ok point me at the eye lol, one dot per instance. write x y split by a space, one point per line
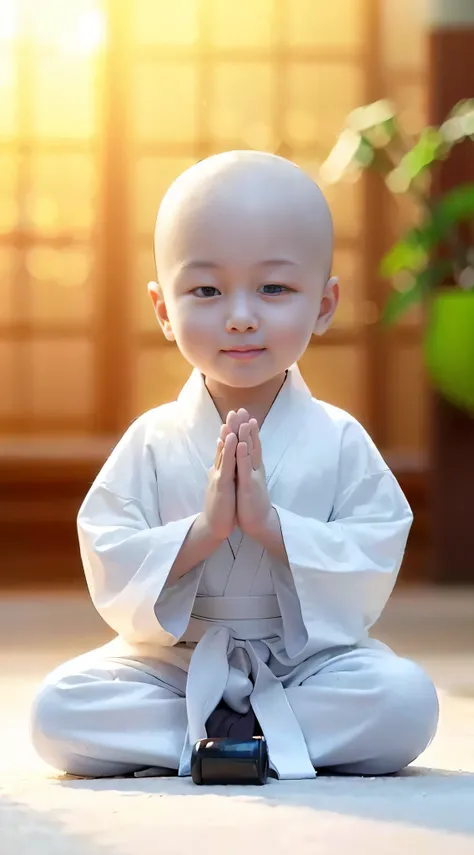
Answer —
206 291
272 289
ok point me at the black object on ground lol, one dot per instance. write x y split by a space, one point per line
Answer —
230 761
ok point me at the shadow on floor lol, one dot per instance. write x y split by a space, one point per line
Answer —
429 798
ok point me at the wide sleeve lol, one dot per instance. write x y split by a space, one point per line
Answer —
127 552
343 570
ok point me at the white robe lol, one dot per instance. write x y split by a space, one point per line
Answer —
258 625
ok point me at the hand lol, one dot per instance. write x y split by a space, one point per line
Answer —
220 498
253 502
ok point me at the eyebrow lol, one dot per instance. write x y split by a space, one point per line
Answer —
212 265
197 265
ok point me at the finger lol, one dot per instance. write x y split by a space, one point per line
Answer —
235 419
232 421
244 436
225 430
244 464
228 455
242 416
256 444
218 457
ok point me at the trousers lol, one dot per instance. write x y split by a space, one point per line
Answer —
363 712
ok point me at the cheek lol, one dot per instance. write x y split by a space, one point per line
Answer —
194 330
293 322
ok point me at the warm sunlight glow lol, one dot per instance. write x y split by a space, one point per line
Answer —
103 103
89 34
8 20
76 26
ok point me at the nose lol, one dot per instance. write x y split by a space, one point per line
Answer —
241 316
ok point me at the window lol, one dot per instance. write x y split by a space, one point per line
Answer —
104 103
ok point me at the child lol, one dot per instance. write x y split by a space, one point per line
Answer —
242 582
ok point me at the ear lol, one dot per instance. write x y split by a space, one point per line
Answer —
156 293
328 306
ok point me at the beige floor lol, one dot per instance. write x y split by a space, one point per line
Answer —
428 809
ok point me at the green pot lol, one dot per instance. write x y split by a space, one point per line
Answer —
449 345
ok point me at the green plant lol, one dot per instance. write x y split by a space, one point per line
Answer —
440 247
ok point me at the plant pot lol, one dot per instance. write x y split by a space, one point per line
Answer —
449 345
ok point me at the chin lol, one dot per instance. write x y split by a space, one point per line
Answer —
245 378
244 382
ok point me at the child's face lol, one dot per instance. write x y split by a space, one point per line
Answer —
243 267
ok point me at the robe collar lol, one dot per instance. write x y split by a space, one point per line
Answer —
203 423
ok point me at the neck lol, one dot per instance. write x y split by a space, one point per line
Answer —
257 400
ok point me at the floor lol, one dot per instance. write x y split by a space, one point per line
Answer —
430 808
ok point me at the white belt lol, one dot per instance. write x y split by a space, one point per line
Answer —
232 608
211 678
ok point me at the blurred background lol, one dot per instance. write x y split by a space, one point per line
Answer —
102 105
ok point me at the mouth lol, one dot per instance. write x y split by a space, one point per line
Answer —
244 352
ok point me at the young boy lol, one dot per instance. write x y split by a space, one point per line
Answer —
242 581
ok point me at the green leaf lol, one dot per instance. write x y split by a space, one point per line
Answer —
454 207
400 301
453 130
408 253
431 146
463 107
411 252
365 153
342 157
460 122
372 116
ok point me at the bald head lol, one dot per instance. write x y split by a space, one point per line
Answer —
243 199
243 247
